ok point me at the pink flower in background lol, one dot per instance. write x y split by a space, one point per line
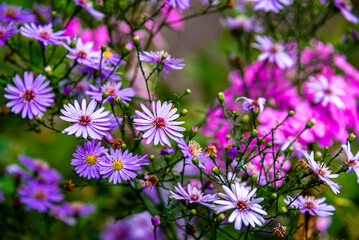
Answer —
173 17
73 28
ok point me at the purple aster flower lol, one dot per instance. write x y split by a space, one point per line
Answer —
242 22
113 89
179 4
83 54
111 58
159 124
120 166
39 196
322 171
162 58
324 92
16 14
43 34
155 221
60 213
79 209
86 121
88 160
353 162
88 6
246 211
6 31
271 5
167 150
345 7
193 149
193 195
232 153
29 96
273 52
252 104
15 170
311 205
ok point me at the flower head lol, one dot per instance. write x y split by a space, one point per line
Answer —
88 159
43 34
29 96
88 6
86 121
311 205
247 210
353 161
39 196
113 90
345 7
252 104
159 123
162 58
79 209
193 195
322 171
16 14
193 149
271 5
83 54
273 52
121 165
6 31
179 4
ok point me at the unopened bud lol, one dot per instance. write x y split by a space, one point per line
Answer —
183 112
170 198
123 146
72 44
283 210
220 218
187 91
193 212
126 106
216 171
193 131
290 149
48 69
195 161
254 178
103 48
273 196
220 97
291 113
105 94
352 137
152 158
39 118
53 14
318 155
310 123
254 133
245 119
155 221
117 100
136 41
128 48
269 145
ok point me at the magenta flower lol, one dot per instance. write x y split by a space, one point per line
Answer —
193 195
86 121
83 54
246 210
345 7
121 166
113 90
273 52
322 171
6 31
79 209
253 105
271 5
311 205
39 196
324 92
179 4
43 34
159 123
88 159
29 96
16 14
88 6
353 161
162 58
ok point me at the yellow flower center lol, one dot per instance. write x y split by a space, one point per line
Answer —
91 159
107 54
117 165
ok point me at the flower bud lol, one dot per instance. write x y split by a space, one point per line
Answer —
216 171
318 155
48 69
264 152
193 131
72 44
128 48
290 149
152 157
53 14
273 196
117 100
232 153
126 106
187 91
220 218
195 161
254 178
245 119
105 95
193 212
136 41
254 133
123 146
326 148
103 48
170 198
39 118
183 112
228 136
310 123
352 137
220 97
155 221
291 113
283 210
269 145
67 90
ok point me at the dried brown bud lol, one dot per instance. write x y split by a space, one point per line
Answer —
210 150
151 181
69 186
231 4
117 143
280 231
191 229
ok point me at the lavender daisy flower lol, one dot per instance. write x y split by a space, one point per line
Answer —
246 210
83 54
59 212
159 124
193 195
113 90
120 166
192 150
162 58
273 52
111 58
79 209
88 6
271 5
252 104
167 151
6 31
242 22
12 13
43 34
322 171
39 196
353 162
86 121
345 7
29 96
311 205
179 4
88 159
